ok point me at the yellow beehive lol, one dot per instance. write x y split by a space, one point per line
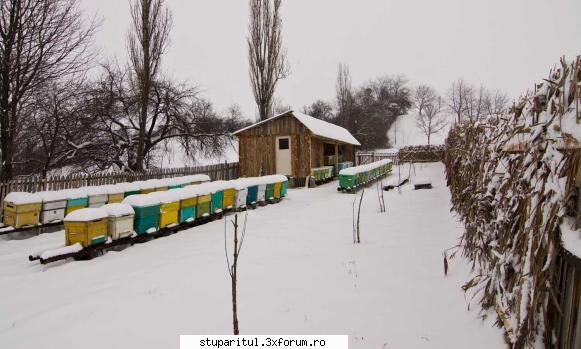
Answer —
169 209
190 202
116 198
169 214
115 194
87 227
18 215
277 187
204 199
73 209
22 209
229 197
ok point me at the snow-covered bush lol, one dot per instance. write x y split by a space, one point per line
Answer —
511 179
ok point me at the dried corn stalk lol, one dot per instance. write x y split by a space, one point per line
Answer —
510 180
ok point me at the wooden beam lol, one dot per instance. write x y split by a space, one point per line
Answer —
336 159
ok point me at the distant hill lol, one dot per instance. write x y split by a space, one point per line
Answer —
408 132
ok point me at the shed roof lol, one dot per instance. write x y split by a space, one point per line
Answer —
316 126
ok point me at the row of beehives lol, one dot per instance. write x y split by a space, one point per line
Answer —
144 214
353 178
31 209
325 173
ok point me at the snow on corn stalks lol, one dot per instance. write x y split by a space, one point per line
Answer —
511 178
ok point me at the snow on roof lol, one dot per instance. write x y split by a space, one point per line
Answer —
166 197
253 181
114 189
141 200
133 186
351 171
222 185
118 210
197 190
75 193
197 178
86 215
176 181
184 194
49 196
21 198
316 126
96 190
151 184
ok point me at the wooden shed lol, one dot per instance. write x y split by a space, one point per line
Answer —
292 144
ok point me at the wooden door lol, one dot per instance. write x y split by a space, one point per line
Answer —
283 155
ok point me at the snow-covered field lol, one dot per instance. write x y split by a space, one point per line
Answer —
405 131
299 274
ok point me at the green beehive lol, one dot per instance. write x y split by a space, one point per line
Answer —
283 189
269 192
204 206
347 182
147 212
217 200
188 203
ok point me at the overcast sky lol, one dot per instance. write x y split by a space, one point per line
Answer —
505 44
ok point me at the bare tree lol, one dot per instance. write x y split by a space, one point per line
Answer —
430 121
344 92
423 96
320 110
357 219
266 55
174 112
233 265
496 102
235 119
474 102
457 98
279 107
40 41
54 109
147 42
343 86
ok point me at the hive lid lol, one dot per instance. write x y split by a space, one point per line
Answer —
49 196
75 193
86 215
118 210
21 198
141 200
95 190
351 171
166 197
127 187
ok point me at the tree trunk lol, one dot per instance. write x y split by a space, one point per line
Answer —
234 306
234 279
6 109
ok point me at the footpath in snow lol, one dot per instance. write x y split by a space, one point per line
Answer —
299 273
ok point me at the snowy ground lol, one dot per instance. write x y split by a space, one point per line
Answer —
299 274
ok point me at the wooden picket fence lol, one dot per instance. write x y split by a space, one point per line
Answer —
364 158
223 171
406 154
